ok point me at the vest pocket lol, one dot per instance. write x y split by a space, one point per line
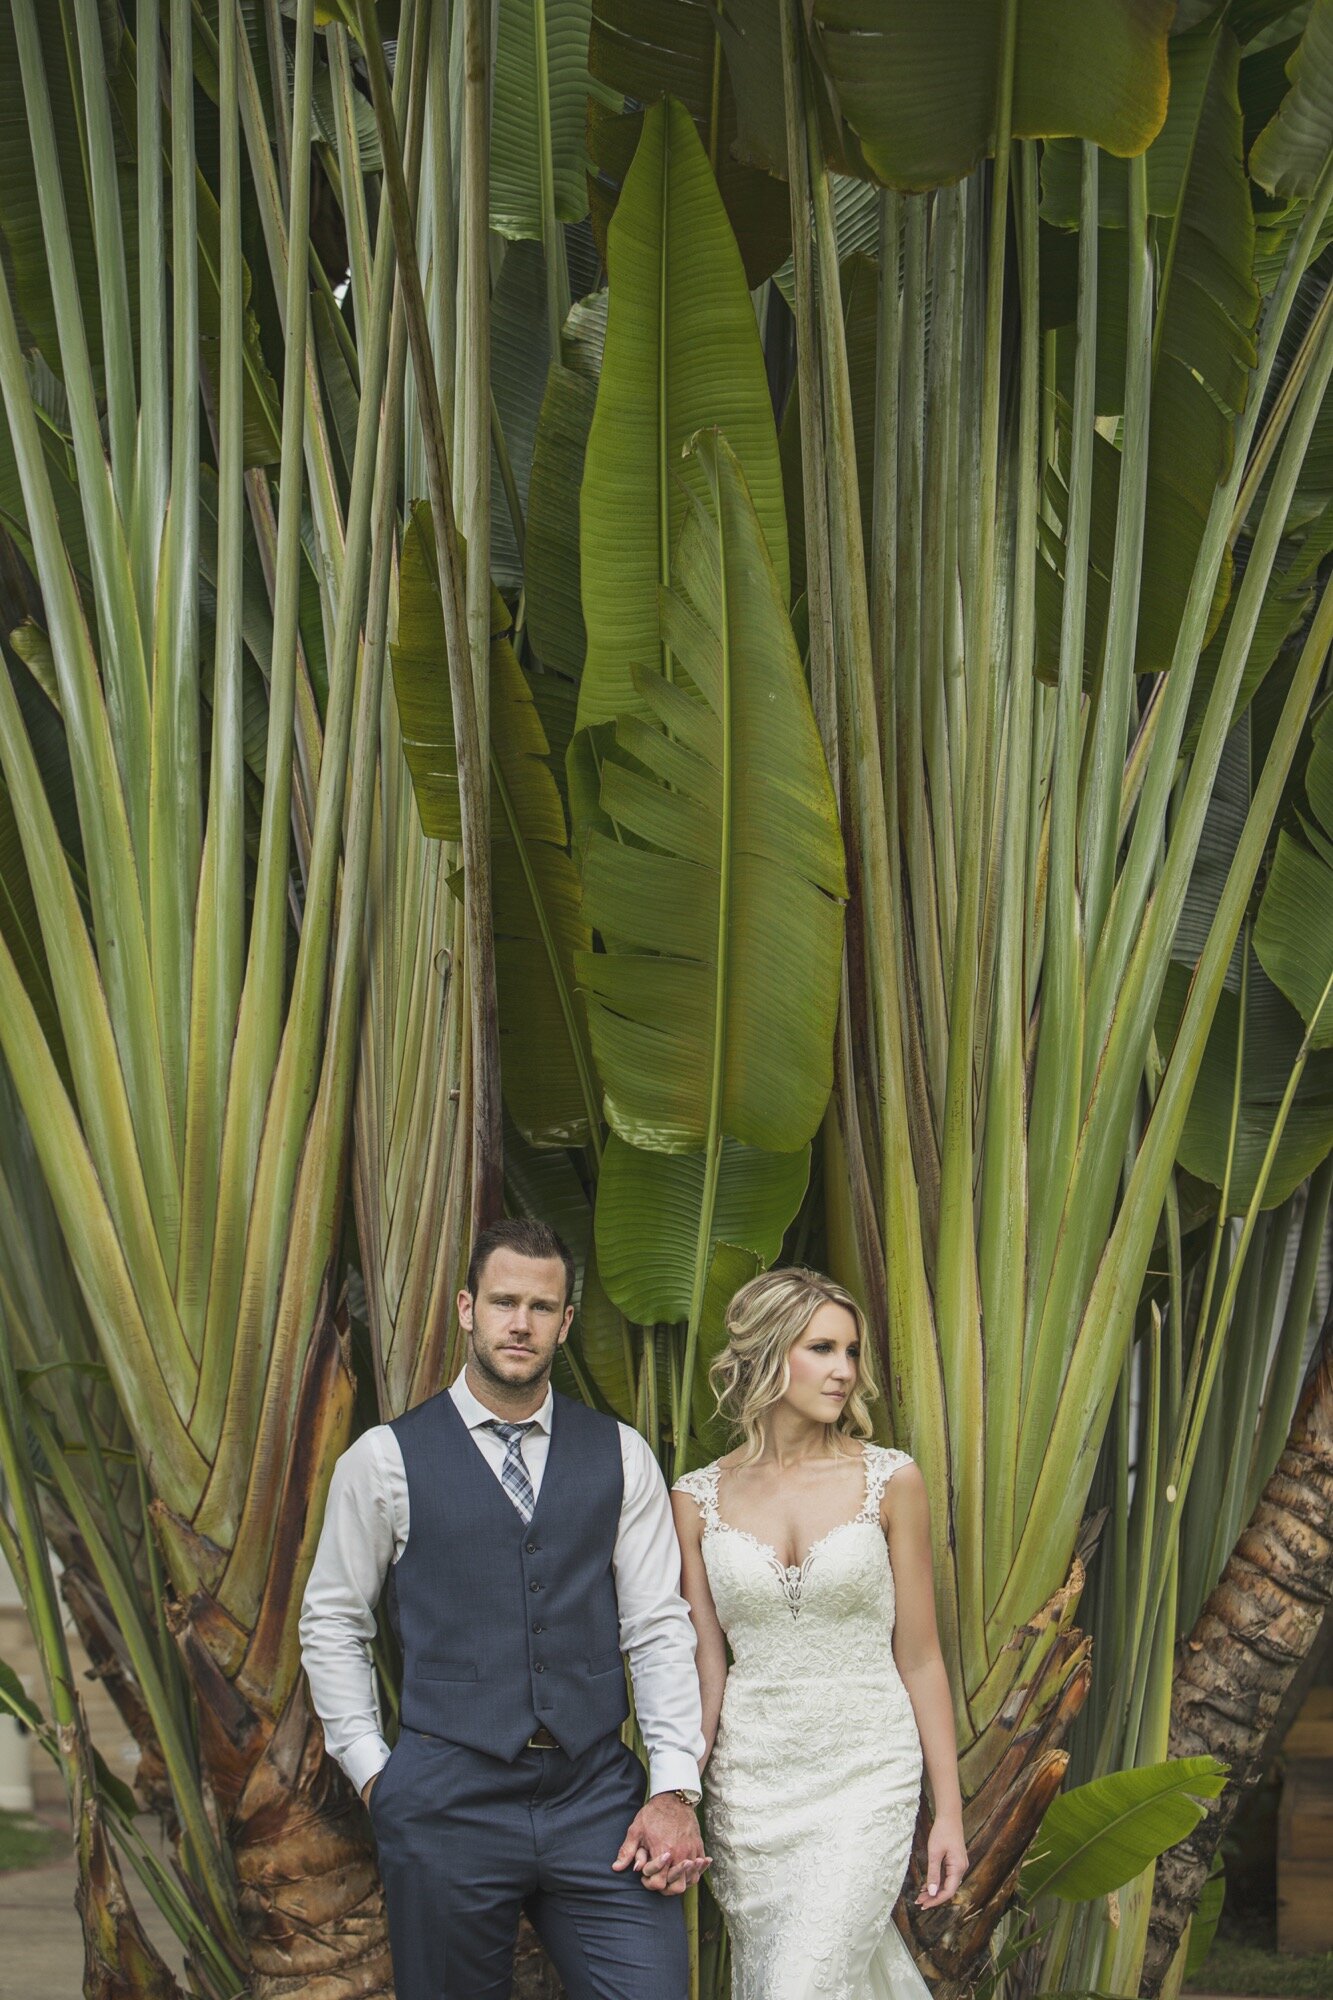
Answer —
443 1670
612 1666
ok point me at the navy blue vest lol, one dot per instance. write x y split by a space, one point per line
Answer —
506 1627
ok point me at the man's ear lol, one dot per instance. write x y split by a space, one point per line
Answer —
566 1323
465 1310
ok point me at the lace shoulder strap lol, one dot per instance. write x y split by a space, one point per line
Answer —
701 1486
881 1464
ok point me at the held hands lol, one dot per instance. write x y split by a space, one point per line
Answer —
946 1862
664 1845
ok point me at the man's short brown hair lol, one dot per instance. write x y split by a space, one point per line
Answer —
526 1237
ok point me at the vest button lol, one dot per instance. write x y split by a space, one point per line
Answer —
539 1666
539 1628
534 1585
532 1548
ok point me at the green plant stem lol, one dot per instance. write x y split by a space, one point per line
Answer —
32 1572
468 714
721 991
177 1753
150 473
1003 1218
260 1015
474 457
1101 805
809 392
111 265
345 101
1284 1377
1212 1342
279 1285
553 238
911 1318
1057 1096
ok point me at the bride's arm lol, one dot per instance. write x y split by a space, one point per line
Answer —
710 1657
916 1649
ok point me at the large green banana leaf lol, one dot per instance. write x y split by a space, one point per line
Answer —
555 614
1269 1034
20 217
648 1208
1291 154
645 50
1256 1035
548 1084
520 358
918 85
1203 346
539 926
682 352
712 1014
552 567
1294 934
729 1270
421 684
1101 1835
538 115
713 871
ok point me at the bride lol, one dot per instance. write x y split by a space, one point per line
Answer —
807 1549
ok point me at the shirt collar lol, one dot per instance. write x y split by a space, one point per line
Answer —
475 1414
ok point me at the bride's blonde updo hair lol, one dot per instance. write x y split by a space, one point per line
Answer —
752 1373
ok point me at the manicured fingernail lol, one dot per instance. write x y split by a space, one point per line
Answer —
932 1887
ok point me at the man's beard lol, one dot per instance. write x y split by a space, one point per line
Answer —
541 1371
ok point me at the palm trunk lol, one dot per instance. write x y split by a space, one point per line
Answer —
308 1895
535 1977
1239 1666
1001 1815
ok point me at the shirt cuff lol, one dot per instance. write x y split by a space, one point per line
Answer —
369 1754
672 1771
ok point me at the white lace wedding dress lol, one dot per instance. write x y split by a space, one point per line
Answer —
813 1784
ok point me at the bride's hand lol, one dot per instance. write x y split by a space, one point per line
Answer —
664 1845
946 1863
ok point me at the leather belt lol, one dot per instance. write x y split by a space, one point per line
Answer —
541 1739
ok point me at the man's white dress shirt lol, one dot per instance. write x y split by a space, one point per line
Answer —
365 1531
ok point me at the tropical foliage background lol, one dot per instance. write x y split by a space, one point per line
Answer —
709 620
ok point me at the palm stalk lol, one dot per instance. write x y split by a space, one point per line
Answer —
1246 1650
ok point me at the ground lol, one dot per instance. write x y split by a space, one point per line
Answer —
43 1948
24 1843
1237 1965
1245 1958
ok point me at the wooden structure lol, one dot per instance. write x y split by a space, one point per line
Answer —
1305 1829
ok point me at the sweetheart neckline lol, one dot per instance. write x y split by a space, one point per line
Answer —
790 1570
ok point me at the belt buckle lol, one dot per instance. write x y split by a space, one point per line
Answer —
542 1739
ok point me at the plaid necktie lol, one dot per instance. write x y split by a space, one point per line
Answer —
514 1473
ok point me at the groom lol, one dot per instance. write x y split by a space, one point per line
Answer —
527 1543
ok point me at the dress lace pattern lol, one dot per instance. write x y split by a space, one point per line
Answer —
813 1784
